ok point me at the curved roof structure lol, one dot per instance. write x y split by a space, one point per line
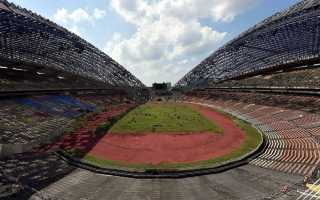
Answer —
26 37
290 37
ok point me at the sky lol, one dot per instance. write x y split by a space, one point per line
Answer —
157 40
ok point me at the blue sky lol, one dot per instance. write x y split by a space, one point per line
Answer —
157 40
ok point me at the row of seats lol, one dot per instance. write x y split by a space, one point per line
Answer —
33 119
83 138
21 135
62 105
291 135
310 104
23 174
101 100
309 78
21 124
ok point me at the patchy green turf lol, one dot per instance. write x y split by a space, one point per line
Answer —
164 117
252 140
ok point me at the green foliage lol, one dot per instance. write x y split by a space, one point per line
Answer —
164 117
102 128
75 153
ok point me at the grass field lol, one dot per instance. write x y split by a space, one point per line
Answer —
161 111
252 140
164 117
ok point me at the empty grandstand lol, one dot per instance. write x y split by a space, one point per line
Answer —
59 95
269 76
288 40
34 49
51 83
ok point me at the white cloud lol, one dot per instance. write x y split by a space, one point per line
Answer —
61 15
65 16
79 15
75 29
169 38
73 19
98 14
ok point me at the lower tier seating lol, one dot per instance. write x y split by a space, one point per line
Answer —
24 174
291 135
38 119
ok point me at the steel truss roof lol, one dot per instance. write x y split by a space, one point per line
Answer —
26 37
288 37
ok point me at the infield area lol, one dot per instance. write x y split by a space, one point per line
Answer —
173 136
164 118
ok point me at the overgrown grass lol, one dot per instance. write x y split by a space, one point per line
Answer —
252 140
102 128
164 117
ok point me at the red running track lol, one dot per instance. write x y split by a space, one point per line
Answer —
170 147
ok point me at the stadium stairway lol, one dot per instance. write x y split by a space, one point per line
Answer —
292 136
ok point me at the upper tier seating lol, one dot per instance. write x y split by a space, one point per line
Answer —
303 78
304 103
21 78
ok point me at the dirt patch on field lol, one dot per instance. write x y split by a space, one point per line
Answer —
169 147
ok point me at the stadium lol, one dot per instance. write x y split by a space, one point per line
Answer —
243 124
